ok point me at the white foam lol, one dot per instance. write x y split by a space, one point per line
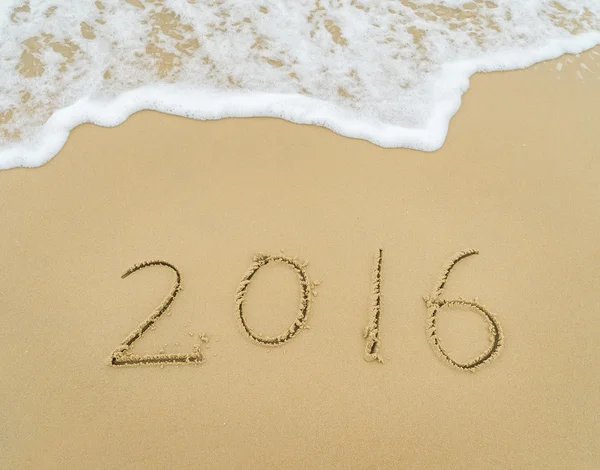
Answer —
390 72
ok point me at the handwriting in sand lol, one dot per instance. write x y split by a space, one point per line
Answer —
434 303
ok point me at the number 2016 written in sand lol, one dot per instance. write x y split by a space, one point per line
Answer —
434 303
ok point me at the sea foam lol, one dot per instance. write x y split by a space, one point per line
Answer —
391 72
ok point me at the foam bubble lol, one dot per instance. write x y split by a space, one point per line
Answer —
391 72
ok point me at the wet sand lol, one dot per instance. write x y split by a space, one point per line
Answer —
518 179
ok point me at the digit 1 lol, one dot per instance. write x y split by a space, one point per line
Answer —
371 333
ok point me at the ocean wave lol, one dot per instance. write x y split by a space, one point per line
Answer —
391 72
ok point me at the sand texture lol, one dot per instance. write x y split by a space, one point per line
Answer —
261 231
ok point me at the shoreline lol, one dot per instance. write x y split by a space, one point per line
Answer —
176 100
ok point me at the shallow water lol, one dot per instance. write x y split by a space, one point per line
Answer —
391 72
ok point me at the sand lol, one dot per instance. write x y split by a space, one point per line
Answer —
518 180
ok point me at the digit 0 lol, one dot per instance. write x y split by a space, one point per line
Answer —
260 261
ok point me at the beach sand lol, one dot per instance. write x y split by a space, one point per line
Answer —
518 179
